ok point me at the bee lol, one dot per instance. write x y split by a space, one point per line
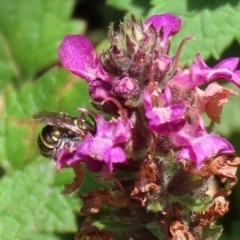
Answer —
61 131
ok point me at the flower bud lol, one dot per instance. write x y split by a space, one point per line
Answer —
126 87
132 50
161 66
99 89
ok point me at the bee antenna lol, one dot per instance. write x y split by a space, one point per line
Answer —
88 111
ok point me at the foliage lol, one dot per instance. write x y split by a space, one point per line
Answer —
31 80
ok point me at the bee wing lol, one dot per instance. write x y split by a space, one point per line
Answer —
61 120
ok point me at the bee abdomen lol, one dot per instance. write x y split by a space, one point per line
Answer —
48 140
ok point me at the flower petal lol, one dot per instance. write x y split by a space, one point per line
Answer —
215 97
76 54
168 23
199 73
166 120
197 145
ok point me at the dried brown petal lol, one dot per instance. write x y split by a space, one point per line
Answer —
225 167
97 198
77 181
219 207
142 191
215 97
179 232
146 188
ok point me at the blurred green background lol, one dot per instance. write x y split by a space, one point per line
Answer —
31 80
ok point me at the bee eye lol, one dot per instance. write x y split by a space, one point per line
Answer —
81 123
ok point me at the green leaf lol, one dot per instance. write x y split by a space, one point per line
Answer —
212 23
154 206
93 181
154 228
212 232
193 204
30 33
28 204
123 5
41 236
7 67
51 92
112 225
137 8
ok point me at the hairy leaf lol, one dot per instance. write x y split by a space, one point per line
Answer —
30 32
28 204
212 23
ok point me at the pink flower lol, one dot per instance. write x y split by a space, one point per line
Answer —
164 117
107 145
197 145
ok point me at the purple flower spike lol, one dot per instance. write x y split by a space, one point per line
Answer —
77 55
168 23
199 73
154 143
197 145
